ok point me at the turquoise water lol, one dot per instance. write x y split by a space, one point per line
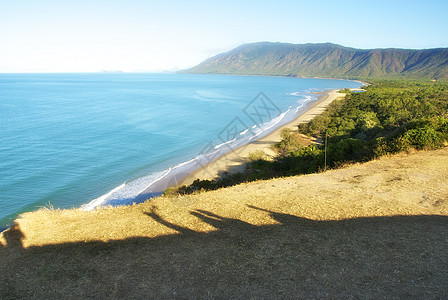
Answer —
68 139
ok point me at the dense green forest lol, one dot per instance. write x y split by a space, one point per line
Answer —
389 117
327 60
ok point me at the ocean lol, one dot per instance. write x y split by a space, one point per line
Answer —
72 140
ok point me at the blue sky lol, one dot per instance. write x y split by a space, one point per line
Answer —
138 35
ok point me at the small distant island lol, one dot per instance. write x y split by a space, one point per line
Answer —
112 71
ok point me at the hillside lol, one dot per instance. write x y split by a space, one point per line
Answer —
372 230
326 60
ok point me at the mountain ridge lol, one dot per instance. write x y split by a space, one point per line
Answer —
326 60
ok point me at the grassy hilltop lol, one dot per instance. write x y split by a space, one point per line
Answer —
375 229
327 60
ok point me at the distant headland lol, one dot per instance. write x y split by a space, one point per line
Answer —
327 60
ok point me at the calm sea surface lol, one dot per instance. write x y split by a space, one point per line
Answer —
67 139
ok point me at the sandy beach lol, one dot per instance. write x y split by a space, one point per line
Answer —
235 160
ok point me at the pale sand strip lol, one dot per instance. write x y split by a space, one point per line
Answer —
235 160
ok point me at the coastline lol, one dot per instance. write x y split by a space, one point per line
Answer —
235 160
231 162
224 158
302 77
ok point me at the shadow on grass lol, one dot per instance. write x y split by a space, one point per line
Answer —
378 257
14 237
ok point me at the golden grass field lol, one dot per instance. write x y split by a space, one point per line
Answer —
372 230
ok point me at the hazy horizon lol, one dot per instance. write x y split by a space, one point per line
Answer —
150 36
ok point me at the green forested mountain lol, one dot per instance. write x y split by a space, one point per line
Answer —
327 60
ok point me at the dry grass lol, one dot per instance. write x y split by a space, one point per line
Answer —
257 155
374 230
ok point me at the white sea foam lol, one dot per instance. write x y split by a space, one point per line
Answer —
100 200
185 163
225 143
158 182
244 132
266 127
307 99
125 192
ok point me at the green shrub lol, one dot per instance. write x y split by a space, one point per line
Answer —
424 138
257 155
442 126
390 117
290 142
345 91
348 149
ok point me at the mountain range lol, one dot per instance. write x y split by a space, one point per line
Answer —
326 60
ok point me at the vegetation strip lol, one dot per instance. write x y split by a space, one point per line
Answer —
391 116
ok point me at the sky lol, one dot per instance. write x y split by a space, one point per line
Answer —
153 36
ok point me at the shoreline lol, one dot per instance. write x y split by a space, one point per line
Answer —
220 156
286 76
235 160
230 162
